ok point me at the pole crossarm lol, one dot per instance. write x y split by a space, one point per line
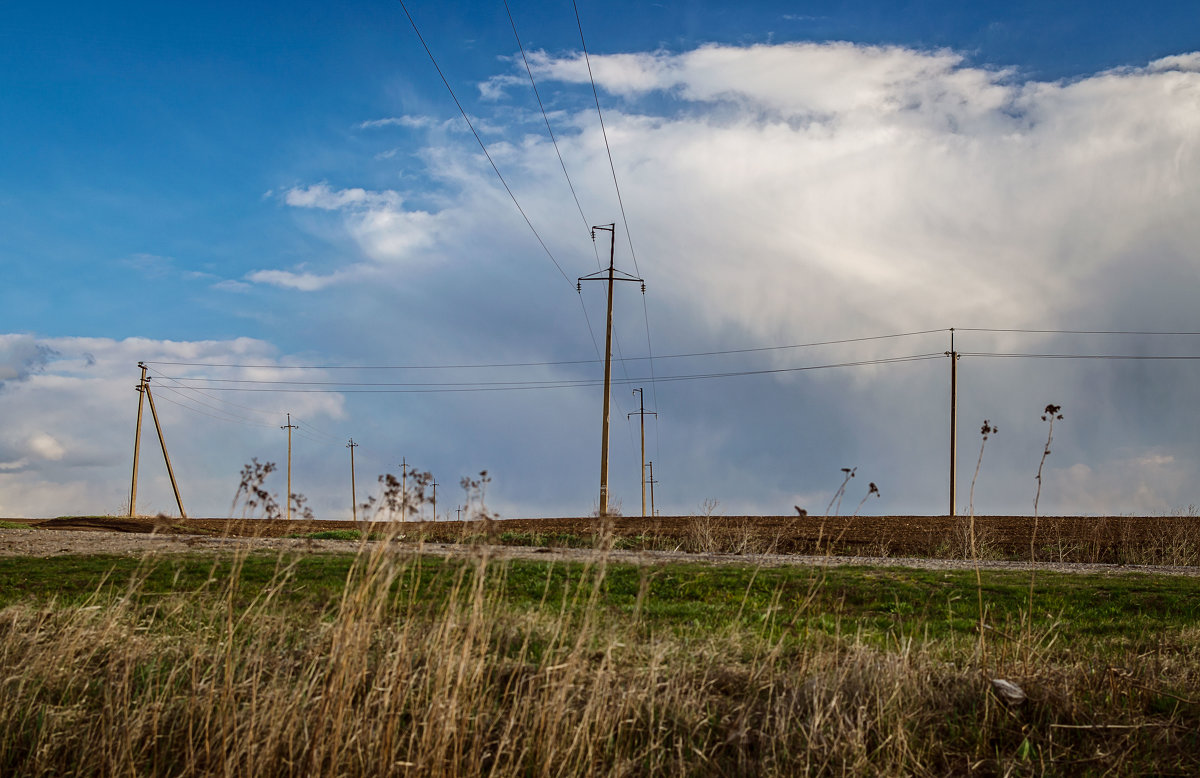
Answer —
618 275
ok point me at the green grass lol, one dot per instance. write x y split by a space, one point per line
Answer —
13 525
331 534
882 603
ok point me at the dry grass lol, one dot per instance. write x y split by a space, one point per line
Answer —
452 680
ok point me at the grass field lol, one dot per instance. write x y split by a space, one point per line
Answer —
381 664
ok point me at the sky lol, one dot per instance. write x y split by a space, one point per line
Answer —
281 210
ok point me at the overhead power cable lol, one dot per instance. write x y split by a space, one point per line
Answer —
1076 332
401 388
184 392
813 344
604 132
479 140
546 118
185 406
620 201
1148 357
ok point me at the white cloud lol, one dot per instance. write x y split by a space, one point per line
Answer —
1149 484
321 196
46 447
231 285
303 282
382 227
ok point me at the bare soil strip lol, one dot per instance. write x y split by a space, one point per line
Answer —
38 542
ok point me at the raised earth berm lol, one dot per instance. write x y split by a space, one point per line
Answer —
1058 538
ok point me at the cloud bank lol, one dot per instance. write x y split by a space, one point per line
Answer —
775 194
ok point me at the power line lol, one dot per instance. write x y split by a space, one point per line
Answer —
546 118
1077 332
419 388
604 132
479 140
620 200
552 363
178 390
1148 357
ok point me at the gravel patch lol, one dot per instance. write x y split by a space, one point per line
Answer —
48 542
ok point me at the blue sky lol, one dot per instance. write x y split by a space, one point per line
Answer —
292 184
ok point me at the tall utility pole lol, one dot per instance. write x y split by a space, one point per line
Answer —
162 442
288 500
610 275
404 490
953 421
642 412
353 498
435 500
137 440
653 511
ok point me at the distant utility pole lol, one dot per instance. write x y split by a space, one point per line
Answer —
403 490
143 389
288 500
652 482
435 500
353 498
137 440
642 413
458 513
610 275
953 421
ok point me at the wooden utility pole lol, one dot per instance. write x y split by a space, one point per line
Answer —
353 498
610 275
288 500
435 500
642 413
162 442
137 440
652 482
403 490
953 421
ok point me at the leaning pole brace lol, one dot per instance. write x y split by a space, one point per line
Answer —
162 442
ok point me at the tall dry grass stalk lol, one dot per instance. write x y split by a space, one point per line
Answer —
408 674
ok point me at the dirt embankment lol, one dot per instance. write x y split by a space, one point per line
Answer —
1068 538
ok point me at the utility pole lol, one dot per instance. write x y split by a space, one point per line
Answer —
353 498
288 500
953 421
642 412
458 513
162 442
611 275
137 440
435 500
403 490
653 511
